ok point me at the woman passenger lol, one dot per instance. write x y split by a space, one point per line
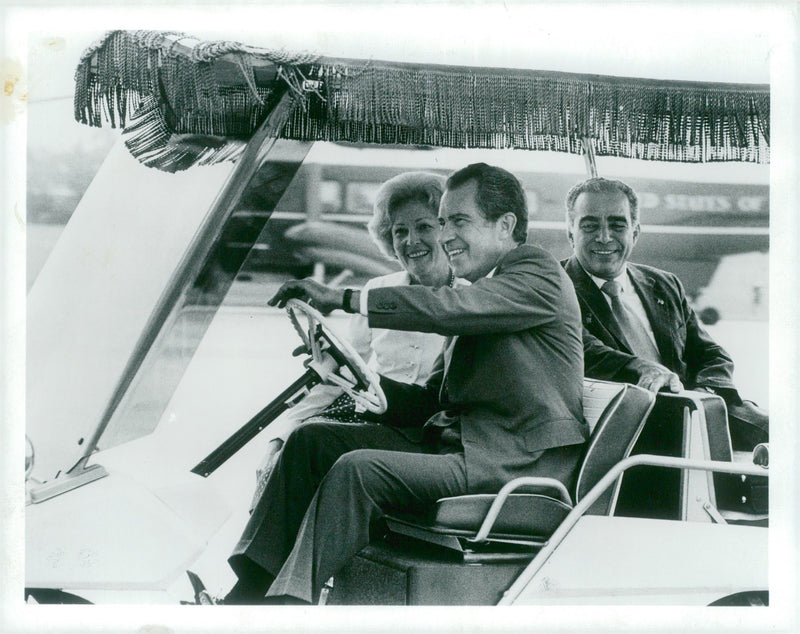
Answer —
405 227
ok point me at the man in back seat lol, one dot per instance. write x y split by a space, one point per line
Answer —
507 402
638 323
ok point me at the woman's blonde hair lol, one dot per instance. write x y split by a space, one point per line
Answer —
424 187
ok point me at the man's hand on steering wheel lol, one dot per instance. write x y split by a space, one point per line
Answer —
333 359
323 298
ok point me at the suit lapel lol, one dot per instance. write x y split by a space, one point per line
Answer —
654 301
447 358
598 315
452 342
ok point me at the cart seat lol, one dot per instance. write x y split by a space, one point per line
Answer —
527 510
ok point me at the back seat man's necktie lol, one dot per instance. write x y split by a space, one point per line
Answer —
632 327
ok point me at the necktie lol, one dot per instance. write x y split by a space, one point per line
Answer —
632 327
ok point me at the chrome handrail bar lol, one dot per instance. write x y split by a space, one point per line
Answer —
508 488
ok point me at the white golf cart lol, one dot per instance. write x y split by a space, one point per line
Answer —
150 344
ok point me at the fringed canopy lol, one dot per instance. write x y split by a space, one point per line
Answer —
181 102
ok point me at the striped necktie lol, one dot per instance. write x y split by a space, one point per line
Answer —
632 327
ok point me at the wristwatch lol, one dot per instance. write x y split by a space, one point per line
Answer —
347 300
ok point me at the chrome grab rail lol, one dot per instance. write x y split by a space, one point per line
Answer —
508 488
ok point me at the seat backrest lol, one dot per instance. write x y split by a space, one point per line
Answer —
616 413
705 435
597 396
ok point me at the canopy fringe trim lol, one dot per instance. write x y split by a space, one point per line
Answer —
165 87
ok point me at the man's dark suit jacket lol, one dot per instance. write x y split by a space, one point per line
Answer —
515 377
685 347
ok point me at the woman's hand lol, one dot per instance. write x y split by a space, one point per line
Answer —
321 297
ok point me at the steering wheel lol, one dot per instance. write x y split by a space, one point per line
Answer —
330 354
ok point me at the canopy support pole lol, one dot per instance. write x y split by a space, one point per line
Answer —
588 157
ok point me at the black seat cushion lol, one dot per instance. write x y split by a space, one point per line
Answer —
523 515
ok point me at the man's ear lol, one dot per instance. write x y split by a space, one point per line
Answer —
570 237
508 223
636 233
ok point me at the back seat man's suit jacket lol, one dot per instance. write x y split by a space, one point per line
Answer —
685 347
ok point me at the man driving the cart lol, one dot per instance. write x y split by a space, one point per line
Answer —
507 402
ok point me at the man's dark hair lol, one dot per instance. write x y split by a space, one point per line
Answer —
498 192
605 186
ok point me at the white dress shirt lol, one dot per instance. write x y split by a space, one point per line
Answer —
404 356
